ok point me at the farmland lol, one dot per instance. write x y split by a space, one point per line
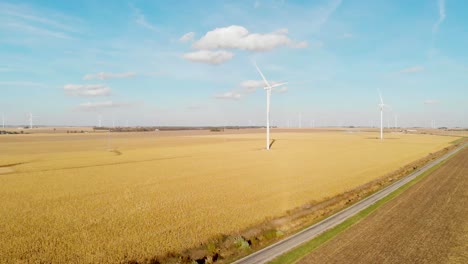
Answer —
112 197
425 224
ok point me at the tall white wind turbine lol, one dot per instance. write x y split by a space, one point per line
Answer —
30 120
381 105
268 89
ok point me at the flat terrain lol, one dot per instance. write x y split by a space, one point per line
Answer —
428 223
106 198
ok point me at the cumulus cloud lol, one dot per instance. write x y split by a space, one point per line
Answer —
108 75
431 102
252 85
207 56
414 69
229 96
238 37
89 106
90 90
187 37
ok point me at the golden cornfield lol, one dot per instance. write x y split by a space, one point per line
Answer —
68 199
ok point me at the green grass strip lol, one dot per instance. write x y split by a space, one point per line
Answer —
306 248
456 141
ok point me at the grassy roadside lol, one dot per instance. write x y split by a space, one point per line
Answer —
305 249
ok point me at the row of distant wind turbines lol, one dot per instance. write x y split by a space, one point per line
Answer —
30 120
268 88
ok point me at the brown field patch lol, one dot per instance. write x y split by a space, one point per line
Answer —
428 223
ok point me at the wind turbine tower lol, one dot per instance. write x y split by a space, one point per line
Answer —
268 89
30 120
381 105
300 120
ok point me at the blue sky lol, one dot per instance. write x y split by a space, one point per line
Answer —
190 62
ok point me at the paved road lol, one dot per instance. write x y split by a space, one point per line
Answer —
283 246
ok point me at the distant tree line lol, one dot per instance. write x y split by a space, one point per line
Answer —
168 128
10 132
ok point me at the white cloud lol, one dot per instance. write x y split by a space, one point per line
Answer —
22 84
442 16
238 37
210 57
141 20
187 37
431 102
87 90
229 96
36 30
108 75
414 69
37 21
252 85
89 106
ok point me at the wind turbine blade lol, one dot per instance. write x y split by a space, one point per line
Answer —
278 84
264 79
381 100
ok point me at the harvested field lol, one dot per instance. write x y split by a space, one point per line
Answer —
131 196
428 223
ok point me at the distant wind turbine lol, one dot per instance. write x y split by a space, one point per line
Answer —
3 120
30 120
381 105
300 120
268 89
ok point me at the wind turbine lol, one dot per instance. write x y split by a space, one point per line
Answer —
382 106
268 89
30 120
300 120
3 120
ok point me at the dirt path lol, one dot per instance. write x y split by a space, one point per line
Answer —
428 223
